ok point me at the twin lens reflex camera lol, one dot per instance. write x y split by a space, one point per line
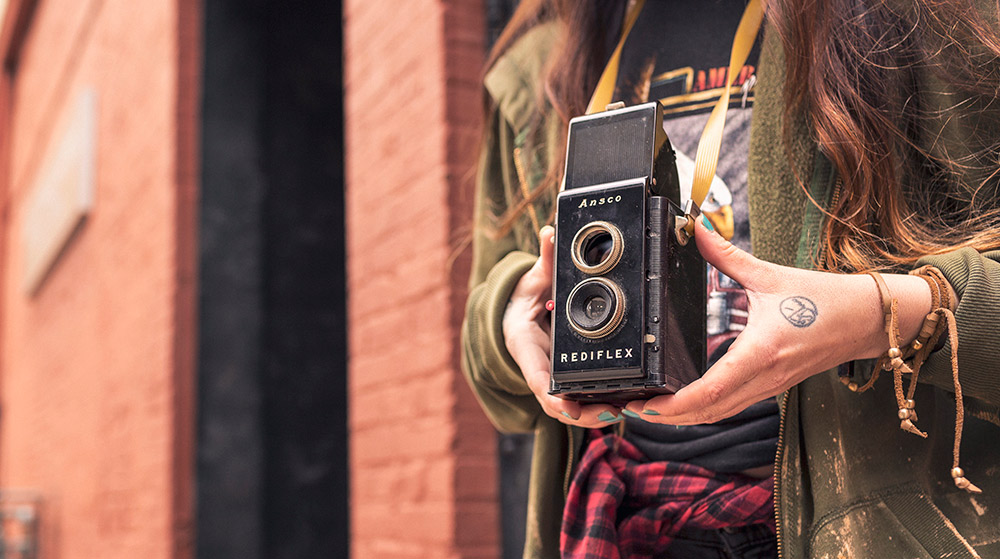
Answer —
629 289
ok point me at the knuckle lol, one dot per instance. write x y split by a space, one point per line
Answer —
766 357
731 251
537 384
713 394
703 415
554 413
774 382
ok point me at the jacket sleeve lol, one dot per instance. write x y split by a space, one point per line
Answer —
497 266
976 279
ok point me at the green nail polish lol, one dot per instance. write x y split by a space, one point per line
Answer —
569 416
707 222
631 414
650 412
606 416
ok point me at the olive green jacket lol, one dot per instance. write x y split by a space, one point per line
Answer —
849 482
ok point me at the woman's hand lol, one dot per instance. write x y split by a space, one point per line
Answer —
526 326
801 323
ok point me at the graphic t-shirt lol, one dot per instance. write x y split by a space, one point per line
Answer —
678 53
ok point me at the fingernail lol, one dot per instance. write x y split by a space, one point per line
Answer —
631 414
650 412
707 222
569 416
606 416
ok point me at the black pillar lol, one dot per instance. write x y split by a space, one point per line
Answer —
272 406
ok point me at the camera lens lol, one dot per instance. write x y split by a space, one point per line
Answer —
595 307
597 247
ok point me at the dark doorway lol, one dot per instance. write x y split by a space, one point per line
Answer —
272 373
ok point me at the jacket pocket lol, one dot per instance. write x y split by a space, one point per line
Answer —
901 525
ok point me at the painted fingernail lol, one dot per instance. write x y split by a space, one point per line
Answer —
707 222
650 412
606 416
569 416
631 414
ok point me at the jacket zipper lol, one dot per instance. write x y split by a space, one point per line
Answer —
569 462
783 407
777 470
837 187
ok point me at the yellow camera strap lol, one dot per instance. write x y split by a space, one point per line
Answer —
711 138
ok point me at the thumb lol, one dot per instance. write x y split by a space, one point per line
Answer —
537 281
725 256
546 248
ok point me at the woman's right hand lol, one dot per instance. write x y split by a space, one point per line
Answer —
526 331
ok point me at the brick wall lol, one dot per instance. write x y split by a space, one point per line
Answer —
95 366
423 480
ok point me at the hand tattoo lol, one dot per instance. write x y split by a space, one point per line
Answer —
799 311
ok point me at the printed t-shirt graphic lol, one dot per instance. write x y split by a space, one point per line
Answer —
678 53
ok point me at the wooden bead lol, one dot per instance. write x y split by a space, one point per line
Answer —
894 352
957 473
845 380
917 344
910 404
904 413
897 362
853 386
962 483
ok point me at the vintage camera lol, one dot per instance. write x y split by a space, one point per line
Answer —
629 315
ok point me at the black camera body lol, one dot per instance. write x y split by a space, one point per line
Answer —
629 315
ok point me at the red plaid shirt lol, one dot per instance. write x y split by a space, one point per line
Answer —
620 505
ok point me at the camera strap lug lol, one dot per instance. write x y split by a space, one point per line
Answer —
684 226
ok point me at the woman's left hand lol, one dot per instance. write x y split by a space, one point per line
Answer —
800 323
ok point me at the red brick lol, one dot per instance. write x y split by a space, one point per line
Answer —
476 479
424 523
478 524
402 439
416 437
90 367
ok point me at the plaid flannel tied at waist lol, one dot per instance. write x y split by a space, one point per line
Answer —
621 505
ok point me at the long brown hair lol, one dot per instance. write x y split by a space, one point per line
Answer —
858 69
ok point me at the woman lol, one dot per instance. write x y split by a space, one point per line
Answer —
873 147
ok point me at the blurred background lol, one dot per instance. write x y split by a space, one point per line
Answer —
232 276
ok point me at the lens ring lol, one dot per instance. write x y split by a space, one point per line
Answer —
616 313
584 240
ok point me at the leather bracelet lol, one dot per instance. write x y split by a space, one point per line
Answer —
910 360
